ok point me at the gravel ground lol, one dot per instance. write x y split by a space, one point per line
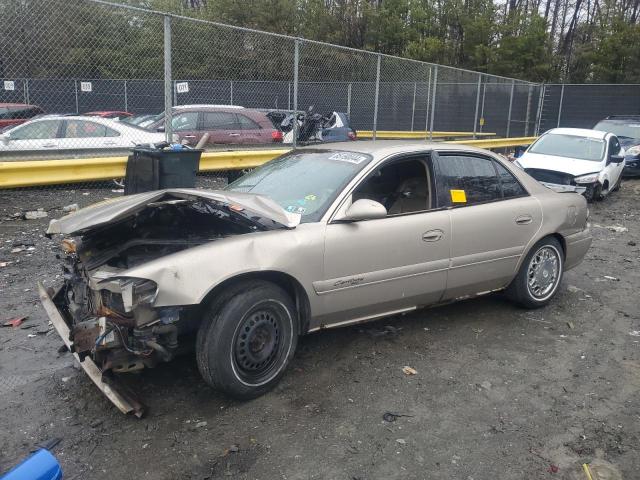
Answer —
500 392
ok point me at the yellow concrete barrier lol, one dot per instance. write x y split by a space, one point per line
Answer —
418 135
33 173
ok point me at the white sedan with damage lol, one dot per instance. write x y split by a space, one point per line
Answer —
576 160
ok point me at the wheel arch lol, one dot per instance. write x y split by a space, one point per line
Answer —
533 243
285 281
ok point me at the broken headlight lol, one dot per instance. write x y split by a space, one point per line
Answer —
137 291
589 178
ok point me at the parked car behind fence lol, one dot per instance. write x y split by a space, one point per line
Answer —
221 124
12 114
50 133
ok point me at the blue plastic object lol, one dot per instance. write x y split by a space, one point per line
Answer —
42 465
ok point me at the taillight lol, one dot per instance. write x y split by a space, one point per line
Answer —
352 135
276 136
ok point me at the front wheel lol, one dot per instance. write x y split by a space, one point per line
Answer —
247 339
539 275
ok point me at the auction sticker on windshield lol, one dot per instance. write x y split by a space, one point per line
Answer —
348 157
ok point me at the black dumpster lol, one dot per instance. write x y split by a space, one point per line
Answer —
161 167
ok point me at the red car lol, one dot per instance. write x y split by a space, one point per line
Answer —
12 114
223 123
109 114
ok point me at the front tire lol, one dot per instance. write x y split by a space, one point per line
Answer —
539 276
247 339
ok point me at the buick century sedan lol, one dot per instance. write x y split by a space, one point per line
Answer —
318 238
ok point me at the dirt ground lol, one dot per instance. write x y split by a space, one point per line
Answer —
500 392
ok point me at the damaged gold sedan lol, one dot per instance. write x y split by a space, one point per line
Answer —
318 238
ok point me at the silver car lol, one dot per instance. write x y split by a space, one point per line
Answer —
317 238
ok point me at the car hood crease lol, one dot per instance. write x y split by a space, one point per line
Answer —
113 210
572 166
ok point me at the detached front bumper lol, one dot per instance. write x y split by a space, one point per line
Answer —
119 396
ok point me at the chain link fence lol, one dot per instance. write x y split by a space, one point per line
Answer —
61 60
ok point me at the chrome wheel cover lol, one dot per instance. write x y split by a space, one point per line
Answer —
543 272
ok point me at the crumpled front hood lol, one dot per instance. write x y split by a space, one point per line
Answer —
572 166
113 210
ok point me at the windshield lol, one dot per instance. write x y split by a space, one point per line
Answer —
570 146
305 181
625 130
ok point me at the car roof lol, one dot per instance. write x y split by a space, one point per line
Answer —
104 121
209 105
622 118
384 148
578 132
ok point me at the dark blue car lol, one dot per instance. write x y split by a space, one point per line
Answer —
627 129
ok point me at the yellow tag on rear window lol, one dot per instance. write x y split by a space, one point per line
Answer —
458 196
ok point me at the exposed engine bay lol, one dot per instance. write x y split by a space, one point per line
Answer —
110 316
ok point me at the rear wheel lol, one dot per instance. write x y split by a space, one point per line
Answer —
539 275
247 339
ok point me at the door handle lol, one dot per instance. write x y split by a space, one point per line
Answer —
110 143
234 134
524 220
432 235
49 145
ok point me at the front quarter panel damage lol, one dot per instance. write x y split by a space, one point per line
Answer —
185 278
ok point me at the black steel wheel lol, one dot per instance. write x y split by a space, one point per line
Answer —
247 339
258 342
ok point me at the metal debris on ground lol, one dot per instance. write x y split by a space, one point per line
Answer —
71 208
609 277
612 228
35 214
393 416
407 370
635 333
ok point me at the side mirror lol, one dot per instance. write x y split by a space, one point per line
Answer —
5 138
160 128
363 209
616 159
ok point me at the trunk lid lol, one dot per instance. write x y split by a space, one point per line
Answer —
257 208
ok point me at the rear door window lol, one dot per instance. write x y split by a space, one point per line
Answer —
466 180
511 187
220 121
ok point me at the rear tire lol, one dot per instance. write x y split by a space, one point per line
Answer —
248 337
539 276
